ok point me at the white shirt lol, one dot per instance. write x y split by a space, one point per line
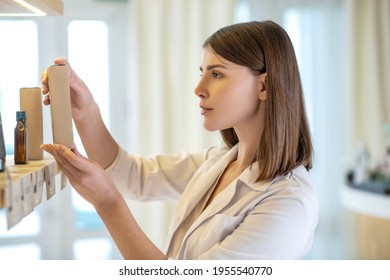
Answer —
272 219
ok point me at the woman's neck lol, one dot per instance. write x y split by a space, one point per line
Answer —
249 134
247 147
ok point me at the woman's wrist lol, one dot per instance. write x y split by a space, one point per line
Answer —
85 113
111 200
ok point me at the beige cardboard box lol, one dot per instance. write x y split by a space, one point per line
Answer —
31 102
60 105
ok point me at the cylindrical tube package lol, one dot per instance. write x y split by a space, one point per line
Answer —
60 106
31 103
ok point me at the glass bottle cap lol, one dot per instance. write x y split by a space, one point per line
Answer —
20 115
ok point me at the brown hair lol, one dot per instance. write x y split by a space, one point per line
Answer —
265 47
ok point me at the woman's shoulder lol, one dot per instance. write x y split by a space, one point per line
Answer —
298 182
216 151
297 177
301 177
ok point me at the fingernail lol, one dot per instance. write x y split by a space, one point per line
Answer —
45 147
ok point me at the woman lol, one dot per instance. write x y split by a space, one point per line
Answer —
252 199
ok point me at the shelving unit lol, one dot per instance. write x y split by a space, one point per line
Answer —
369 223
21 187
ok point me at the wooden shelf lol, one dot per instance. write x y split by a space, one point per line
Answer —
365 202
21 187
368 224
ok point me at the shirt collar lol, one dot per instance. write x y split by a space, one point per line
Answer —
250 174
249 177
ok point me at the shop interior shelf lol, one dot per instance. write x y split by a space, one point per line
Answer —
22 187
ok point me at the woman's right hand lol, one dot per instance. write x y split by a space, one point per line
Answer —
81 97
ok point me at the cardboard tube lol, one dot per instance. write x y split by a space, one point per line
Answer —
60 105
31 102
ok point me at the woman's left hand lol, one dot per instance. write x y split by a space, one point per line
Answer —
87 177
92 182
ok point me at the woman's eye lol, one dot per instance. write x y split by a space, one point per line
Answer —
217 75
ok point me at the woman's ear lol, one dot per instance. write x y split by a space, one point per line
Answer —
263 86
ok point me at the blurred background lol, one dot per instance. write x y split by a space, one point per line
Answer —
141 59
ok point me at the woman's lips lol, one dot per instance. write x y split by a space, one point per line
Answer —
205 110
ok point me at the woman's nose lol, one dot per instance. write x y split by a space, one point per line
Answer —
200 90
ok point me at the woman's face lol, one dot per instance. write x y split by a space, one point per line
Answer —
228 92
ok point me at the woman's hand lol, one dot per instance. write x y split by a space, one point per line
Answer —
86 176
97 140
96 186
81 97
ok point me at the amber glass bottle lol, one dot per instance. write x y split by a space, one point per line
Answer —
21 137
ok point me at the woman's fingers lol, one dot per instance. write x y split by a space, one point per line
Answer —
76 160
49 148
72 160
44 79
65 165
87 177
61 60
46 100
76 152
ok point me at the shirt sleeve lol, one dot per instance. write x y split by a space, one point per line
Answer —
155 177
280 227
